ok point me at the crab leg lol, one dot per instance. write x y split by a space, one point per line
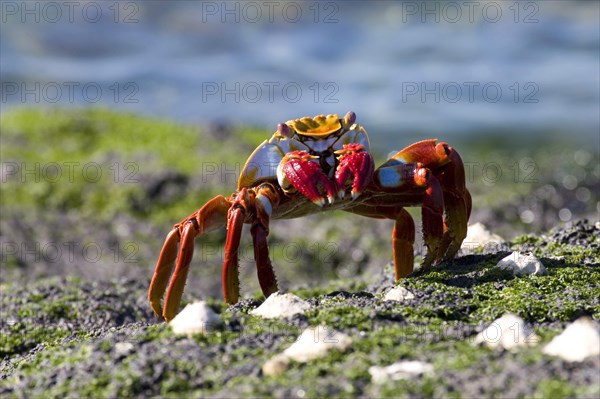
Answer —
397 177
431 156
433 225
266 275
403 238
235 222
266 197
403 235
456 197
427 152
210 216
163 271
416 184
458 204
186 251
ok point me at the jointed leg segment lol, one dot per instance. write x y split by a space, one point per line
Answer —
210 216
403 239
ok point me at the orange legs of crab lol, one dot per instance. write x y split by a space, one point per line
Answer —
210 216
260 205
403 239
253 204
430 175
438 170
457 200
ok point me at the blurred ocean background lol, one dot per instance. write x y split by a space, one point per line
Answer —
415 69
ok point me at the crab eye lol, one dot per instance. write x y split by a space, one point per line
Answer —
284 130
349 119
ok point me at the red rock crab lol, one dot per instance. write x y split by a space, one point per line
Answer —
319 164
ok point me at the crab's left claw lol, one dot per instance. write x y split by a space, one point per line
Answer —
298 169
355 160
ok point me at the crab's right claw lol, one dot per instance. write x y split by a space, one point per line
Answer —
298 169
356 161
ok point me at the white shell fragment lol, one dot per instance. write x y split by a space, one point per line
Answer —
522 264
195 318
281 305
313 343
508 332
581 339
479 236
398 294
399 371
123 348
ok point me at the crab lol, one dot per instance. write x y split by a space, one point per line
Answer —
319 164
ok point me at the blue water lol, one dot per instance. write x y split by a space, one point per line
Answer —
533 69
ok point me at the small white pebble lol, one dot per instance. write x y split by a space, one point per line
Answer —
123 348
578 341
479 236
399 370
281 305
195 318
398 294
522 264
313 343
508 332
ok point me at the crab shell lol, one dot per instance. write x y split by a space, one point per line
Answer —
320 137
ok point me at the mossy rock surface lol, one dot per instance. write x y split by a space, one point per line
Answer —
77 325
69 337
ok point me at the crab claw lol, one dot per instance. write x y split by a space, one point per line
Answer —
358 162
297 169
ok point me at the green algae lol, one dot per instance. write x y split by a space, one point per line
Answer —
61 335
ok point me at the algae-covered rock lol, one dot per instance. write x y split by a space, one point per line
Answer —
77 325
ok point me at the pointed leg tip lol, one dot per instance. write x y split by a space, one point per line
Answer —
156 308
319 202
330 199
169 315
355 194
341 194
158 312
